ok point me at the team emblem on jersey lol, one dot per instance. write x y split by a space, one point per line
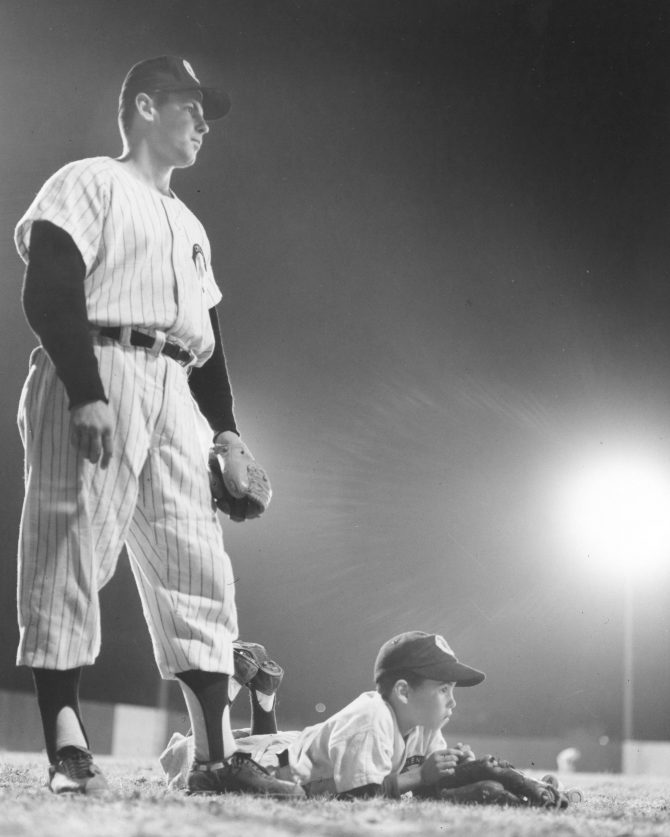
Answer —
412 761
443 645
189 70
199 261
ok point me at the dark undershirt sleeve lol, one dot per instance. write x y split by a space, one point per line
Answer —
363 792
55 307
210 385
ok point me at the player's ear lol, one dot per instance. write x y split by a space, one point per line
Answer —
401 690
145 106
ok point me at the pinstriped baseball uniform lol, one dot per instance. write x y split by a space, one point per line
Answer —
359 745
138 248
147 264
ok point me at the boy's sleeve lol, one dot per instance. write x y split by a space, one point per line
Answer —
362 759
75 199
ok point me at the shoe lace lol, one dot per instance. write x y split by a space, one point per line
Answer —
76 763
239 761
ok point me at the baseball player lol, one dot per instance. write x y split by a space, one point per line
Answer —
389 742
124 396
385 742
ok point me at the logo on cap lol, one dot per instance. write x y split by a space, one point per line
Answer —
189 70
442 644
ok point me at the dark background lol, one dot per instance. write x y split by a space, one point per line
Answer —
440 229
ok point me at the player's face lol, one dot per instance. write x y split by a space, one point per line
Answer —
432 703
180 129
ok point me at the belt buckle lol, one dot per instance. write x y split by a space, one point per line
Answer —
186 362
160 339
186 356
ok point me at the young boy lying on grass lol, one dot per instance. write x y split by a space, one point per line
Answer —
386 742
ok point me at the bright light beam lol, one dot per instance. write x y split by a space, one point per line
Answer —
616 513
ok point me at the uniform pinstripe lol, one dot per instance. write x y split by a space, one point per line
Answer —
137 246
155 495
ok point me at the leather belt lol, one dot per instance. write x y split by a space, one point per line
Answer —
184 357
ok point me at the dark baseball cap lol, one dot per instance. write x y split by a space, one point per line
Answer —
427 655
171 74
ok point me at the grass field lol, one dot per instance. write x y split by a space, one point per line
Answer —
141 806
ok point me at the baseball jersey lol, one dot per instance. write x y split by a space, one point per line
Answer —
359 745
147 257
177 758
147 266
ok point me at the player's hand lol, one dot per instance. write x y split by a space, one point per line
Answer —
226 436
438 764
91 429
466 753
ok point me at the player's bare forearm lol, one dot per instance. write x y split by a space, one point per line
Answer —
91 430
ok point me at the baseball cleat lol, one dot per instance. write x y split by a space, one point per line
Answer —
246 666
268 675
76 772
239 774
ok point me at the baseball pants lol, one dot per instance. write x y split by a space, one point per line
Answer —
154 497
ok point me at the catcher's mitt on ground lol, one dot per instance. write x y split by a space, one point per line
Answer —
492 781
240 487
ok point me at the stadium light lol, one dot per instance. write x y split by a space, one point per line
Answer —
617 513
616 516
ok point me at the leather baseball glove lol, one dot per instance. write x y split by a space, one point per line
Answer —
492 771
240 487
492 781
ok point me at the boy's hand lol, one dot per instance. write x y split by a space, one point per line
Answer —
466 753
437 764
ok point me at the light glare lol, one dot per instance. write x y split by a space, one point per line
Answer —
617 513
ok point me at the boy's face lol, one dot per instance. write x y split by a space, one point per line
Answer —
431 703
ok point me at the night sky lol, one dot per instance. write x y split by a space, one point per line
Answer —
440 229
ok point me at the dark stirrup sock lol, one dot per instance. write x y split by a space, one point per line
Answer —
211 690
262 721
58 690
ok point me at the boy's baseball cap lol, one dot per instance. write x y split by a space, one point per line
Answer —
427 655
171 74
